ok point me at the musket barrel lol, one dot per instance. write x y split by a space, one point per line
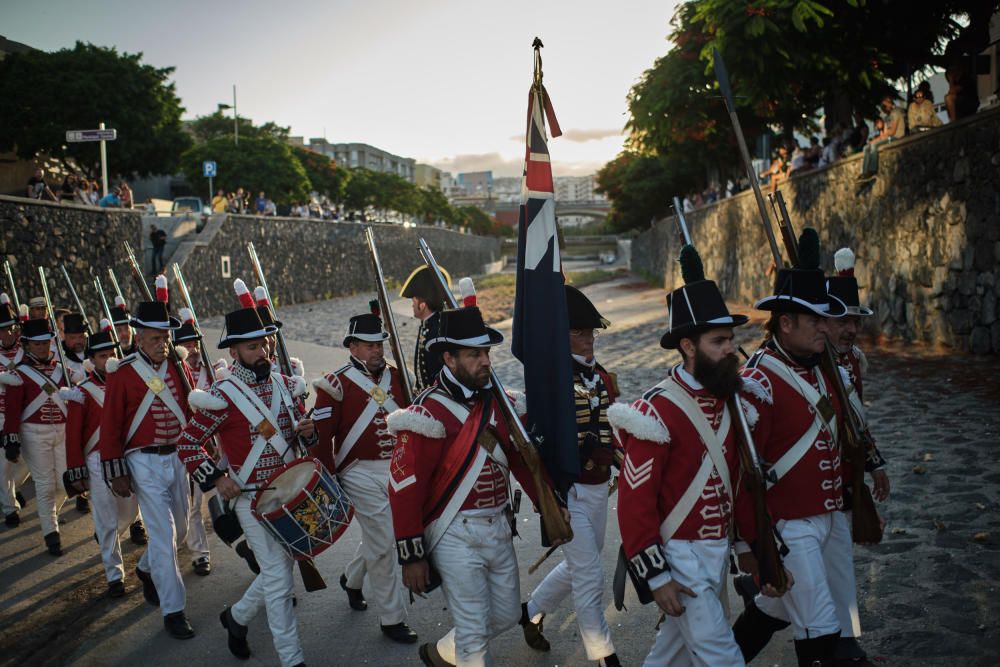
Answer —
107 313
76 298
388 316
283 359
11 285
681 221
55 326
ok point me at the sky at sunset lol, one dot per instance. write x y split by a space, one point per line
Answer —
444 82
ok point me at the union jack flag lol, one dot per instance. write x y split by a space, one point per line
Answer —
540 337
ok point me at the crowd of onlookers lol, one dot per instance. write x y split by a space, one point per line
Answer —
243 202
78 189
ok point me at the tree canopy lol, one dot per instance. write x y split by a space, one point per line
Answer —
258 163
42 95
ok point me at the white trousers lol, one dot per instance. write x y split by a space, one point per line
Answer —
161 485
272 589
367 485
12 476
817 547
701 635
111 516
581 573
197 538
43 447
480 581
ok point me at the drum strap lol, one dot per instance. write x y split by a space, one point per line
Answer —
259 417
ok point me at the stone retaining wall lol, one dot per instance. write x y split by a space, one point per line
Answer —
926 233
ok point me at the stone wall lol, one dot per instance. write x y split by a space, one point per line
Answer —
308 260
85 239
926 233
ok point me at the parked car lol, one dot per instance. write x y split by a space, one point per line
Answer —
187 205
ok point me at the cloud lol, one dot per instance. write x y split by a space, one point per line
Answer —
501 166
582 136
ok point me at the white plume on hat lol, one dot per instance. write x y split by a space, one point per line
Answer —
843 260
468 291
119 301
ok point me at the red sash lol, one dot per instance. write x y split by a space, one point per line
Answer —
458 458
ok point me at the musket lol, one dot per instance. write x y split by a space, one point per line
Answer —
143 286
556 528
866 528
11 285
107 314
388 317
76 298
114 283
55 327
679 207
186 295
727 95
284 361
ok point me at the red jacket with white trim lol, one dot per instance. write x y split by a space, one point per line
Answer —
20 395
84 419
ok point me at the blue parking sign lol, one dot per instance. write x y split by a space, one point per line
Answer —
209 168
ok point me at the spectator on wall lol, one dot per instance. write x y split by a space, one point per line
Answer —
125 194
67 191
869 162
779 168
895 121
219 201
261 203
269 208
81 194
110 200
920 113
962 98
37 188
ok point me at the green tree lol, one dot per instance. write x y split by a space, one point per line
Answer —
359 194
434 206
641 187
256 164
325 176
42 95
218 125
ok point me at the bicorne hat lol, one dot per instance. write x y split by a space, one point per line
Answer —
803 289
844 285
188 331
464 327
244 324
582 312
153 314
697 305
422 284
102 340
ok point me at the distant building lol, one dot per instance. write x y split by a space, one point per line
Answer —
365 156
476 182
576 188
427 176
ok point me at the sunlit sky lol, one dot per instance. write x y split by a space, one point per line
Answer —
441 81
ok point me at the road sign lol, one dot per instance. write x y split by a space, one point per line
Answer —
77 136
209 168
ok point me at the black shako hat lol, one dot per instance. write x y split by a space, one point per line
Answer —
119 312
583 313
367 328
188 331
697 305
803 289
102 340
422 283
37 329
464 327
844 285
242 325
8 317
153 314
74 323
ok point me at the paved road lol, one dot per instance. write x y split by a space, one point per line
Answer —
927 594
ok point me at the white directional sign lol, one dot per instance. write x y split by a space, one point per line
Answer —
210 169
76 136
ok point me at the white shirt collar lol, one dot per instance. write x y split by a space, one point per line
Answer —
688 378
583 362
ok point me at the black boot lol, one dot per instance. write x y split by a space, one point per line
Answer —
116 588
818 651
753 630
533 631
400 633
610 661
355 597
83 504
53 543
238 645
137 533
202 566
12 520
148 587
177 625
429 656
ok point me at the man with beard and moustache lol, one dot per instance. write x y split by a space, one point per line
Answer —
145 408
794 416
256 441
121 318
12 474
83 460
352 405
581 573
424 291
449 489
35 424
680 492
74 344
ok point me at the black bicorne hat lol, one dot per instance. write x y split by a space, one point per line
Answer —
242 325
367 328
844 285
422 284
696 306
803 289
582 312
74 323
37 329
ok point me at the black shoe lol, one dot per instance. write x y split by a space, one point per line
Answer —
12 520
533 631
20 499
177 625
610 661
238 645
53 543
83 504
202 567
137 533
243 551
429 656
116 589
148 587
355 597
400 633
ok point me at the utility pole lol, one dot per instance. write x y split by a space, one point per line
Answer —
236 120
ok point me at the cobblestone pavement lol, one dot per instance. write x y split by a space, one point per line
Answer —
927 594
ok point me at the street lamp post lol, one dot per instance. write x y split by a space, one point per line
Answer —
236 118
